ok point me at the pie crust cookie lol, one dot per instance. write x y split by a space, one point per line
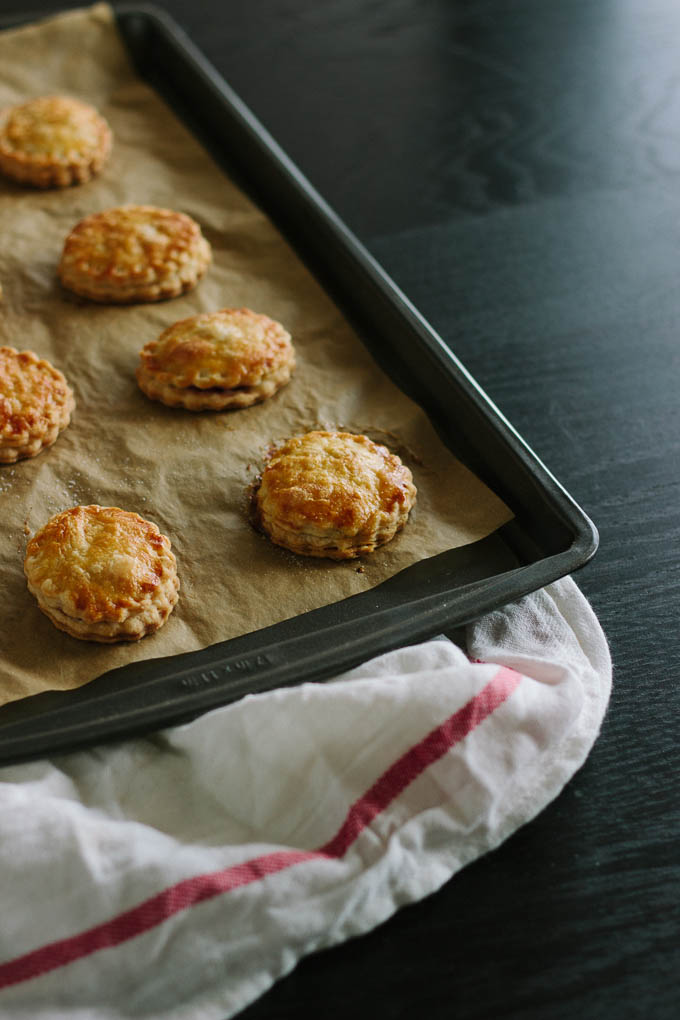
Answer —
35 404
134 253
217 360
333 494
53 142
102 574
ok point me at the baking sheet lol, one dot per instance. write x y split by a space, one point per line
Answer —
187 472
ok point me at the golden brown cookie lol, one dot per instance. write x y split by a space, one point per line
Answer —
333 494
217 360
134 253
102 574
35 404
53 142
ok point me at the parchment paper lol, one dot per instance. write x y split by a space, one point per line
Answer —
187 472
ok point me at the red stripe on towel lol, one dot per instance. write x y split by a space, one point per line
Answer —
192 891
418 758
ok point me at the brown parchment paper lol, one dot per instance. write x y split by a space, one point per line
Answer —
187 472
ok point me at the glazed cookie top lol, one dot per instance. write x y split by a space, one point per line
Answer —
99 563
56 127
134 252
53 141
229 348
34 396
335 483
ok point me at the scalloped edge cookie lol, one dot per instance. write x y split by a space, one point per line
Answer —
35 404
216 361
53 142
133 254
336 495
102 574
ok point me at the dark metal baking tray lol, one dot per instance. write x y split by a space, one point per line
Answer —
550 535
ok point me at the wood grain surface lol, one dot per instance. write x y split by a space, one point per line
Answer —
515 166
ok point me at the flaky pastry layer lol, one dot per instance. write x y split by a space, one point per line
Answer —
102 573
191 398
53 142
134 253
217 360
336 495
35 404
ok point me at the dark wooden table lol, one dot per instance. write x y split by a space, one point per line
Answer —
515 166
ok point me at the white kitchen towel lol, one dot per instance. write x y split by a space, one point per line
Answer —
183 874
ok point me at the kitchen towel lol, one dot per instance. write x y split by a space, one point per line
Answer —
183 874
